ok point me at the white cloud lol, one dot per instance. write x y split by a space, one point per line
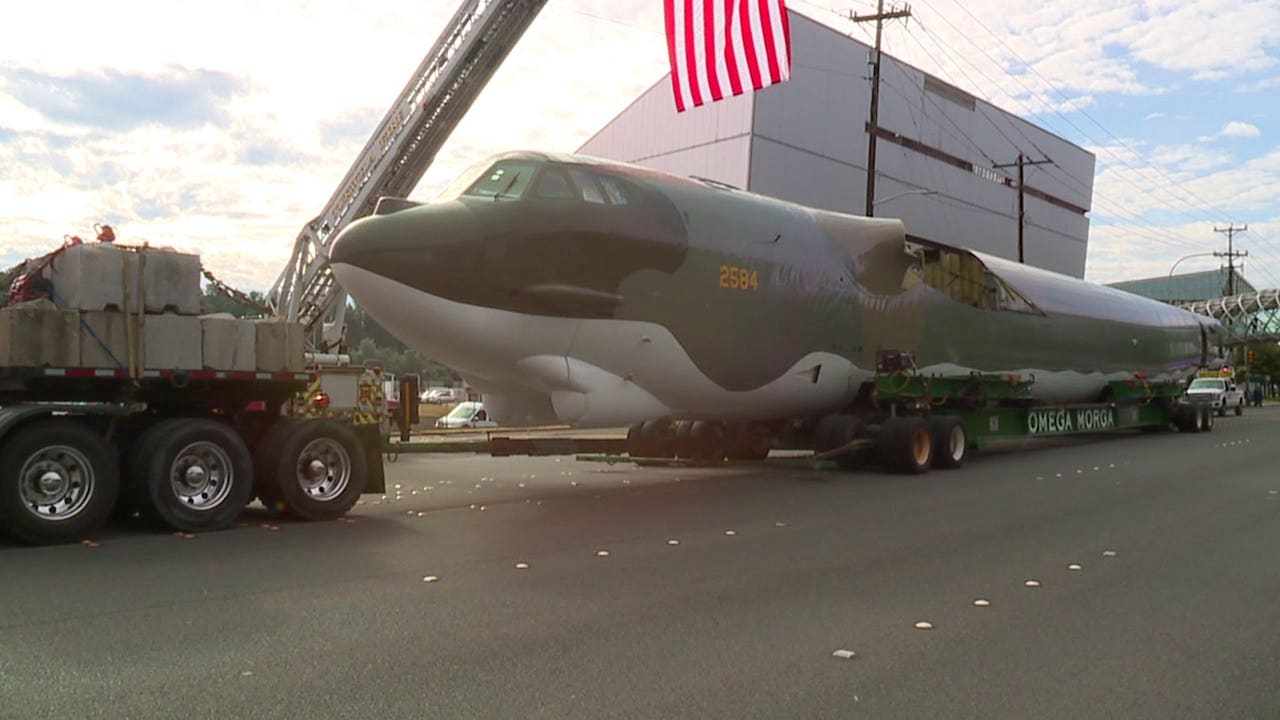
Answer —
318 76
1239 129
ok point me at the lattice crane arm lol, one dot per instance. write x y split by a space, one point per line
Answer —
451 76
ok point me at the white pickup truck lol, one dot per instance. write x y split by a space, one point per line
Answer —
1220 393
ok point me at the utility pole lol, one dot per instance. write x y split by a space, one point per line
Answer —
1022 163
874 128
1231 254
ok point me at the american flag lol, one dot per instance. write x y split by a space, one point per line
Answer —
720 48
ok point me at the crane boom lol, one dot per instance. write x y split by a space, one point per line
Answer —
451 76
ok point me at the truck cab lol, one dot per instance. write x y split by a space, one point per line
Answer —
1219 392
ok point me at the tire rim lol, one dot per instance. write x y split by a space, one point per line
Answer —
56 483
921 446
201 476
956 443
324 469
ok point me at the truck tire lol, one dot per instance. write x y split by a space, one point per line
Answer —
266 459
706 441
1240 408
319 470
748 442
1222 411
190 474
1206 422
847 429
59 481
906 445
950 441
823 433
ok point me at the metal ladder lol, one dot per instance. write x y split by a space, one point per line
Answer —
446 83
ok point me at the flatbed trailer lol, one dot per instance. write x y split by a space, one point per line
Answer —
908 422
186 450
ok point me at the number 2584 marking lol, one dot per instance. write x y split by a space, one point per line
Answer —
739 278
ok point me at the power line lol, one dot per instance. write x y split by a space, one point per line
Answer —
1103 147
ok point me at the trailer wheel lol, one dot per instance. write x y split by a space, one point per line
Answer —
266 461
59 480
748 442
706 441
824 433
906 445
191 474
847 429
320 470
635 440
950 441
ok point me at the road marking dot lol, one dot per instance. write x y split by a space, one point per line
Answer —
779 524
1074 566
246 673
522 566
845 654
422 514
1108 553
1095 467
924 625
982 603
673 541
602 553
1057 474
730 532
430 579
1032 583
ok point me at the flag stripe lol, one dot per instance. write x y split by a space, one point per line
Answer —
669 16
723 47
749 42
731 48
771 51
695 92
710 33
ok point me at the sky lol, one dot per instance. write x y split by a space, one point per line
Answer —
222 128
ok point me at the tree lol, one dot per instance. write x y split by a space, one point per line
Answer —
215 301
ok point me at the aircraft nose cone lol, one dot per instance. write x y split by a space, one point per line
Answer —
420 246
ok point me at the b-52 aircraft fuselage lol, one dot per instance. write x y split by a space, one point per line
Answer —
581 291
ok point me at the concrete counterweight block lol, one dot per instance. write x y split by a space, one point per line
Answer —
37 334
104 340
228 343
92 277
170 281
280 346
173 342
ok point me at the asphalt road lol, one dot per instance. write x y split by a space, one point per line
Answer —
576 590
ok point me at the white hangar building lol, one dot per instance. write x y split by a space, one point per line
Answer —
806 141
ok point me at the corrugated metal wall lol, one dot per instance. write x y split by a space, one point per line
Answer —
806 141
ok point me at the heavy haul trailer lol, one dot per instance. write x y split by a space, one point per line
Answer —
186 450
909 422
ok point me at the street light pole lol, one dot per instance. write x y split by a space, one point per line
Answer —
1185 257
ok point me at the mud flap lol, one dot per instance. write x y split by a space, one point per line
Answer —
370 438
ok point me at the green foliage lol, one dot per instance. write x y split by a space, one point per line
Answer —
213 301
370 344
1266 361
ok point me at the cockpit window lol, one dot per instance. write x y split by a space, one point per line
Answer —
615 189
554 184
964 278
586 182
506 180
